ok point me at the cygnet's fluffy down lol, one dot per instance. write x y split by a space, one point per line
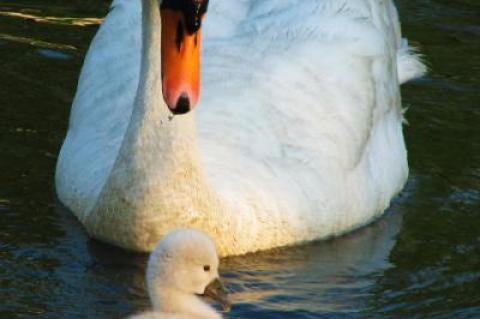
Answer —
159 315
182 268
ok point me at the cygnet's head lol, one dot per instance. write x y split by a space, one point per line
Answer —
186 261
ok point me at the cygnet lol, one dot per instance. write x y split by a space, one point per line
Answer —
183 268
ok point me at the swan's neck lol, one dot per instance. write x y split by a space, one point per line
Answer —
165 299
156 183
155 143
148 101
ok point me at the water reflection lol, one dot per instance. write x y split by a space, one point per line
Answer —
88 278
81 22
327 277
35 42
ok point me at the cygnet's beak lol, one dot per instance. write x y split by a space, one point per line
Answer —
216 291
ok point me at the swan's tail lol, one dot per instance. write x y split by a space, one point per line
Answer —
409 63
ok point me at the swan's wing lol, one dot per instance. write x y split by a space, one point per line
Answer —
305 102
224 17
409 62
312 73
102 106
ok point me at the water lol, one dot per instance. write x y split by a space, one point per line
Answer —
421 261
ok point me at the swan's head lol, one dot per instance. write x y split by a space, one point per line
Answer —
185 262
181 39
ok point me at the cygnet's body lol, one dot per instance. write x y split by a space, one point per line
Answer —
183 267
158 315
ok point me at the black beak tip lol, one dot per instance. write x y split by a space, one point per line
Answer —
182 106
216 291
227 307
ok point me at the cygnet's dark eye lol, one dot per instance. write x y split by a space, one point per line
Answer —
206 267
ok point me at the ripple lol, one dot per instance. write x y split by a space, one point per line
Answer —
52 54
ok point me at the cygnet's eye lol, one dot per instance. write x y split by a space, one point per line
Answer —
206 267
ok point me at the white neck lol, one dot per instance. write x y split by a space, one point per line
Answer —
156 181
154 136
165 299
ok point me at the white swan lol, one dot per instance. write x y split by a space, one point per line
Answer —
183 266
298 134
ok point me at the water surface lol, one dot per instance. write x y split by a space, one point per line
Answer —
421 261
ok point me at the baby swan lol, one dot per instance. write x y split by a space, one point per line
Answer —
183 267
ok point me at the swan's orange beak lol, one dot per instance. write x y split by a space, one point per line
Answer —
180 61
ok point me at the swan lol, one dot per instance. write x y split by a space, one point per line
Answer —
297 135
183 266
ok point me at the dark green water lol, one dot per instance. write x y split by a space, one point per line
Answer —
421 261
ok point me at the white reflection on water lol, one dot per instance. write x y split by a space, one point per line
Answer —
82 22
326 277
36 42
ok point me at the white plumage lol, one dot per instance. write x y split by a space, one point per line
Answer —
297 136
176 276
